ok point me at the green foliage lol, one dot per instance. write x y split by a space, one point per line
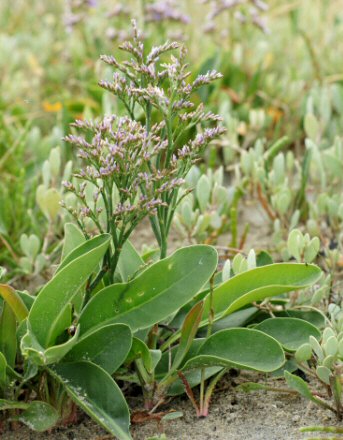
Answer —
78 349
273 180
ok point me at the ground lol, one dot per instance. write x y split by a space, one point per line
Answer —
234 415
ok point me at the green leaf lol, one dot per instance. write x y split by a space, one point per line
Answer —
290 365
139 350
311 126
298 384
30 245
39 416
129 262
314 317
14 301
172 415
32 350
258 284
150 297
188 332
94 390
303 353
236 319
8 339
51 303
106 346
3 369
10 404
263 258
239 348
84 248
56 353
73 238
324 374
290 332
27 299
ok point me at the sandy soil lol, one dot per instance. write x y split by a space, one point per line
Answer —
234 415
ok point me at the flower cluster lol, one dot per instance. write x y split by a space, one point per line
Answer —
165 10
75 11
245 11
162 89
120 158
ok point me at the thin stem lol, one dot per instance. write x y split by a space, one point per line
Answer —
189 392
209 331
209 391
202 391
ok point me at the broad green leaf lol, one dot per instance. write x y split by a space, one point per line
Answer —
314 317
73 237
188 332
32 350
106 346
8 339
14 301
155 294
239 348
290 365
48 311
236 319
39 416
290 332
94 390
129 262
82 249
258 284
56 353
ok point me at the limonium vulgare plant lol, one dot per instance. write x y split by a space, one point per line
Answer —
151 89
136 168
